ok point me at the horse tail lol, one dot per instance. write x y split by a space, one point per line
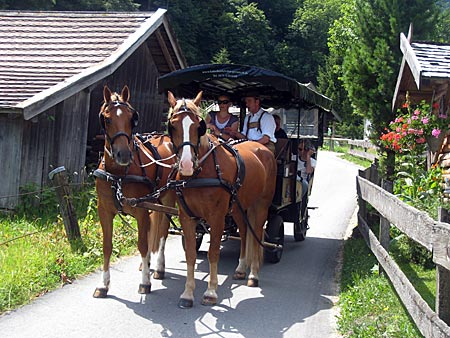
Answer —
158 230
253 248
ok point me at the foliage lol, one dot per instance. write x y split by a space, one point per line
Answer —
413 124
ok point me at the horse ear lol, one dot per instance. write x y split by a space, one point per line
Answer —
106 94
172 100
125 93
198 99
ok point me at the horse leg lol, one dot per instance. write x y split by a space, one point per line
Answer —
143 222
210 295
241 270
106 220
187 297
257 217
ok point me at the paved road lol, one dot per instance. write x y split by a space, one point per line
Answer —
295 297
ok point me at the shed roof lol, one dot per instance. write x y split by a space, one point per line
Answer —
48 53
424 72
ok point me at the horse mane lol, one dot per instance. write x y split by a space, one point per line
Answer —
189 104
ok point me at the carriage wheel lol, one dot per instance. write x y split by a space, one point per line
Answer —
301 226
198 241
274 234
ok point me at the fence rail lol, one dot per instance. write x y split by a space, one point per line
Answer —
359 148
417 225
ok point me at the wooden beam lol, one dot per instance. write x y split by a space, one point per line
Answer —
165 50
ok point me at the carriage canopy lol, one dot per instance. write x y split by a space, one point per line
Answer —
275 89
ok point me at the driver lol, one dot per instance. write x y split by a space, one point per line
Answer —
259 125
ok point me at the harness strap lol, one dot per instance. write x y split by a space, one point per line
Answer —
106 176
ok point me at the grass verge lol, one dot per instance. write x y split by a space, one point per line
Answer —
369 306
35 255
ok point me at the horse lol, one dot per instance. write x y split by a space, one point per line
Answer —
239 181
132 167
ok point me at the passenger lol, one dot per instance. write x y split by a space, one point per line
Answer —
259 125
305 168
279 132
218 122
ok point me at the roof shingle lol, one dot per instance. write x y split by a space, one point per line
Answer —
42 49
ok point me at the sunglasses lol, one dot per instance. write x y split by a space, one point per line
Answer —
223 102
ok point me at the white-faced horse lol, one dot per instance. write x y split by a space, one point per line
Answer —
245 177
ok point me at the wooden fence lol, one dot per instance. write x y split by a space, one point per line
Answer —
359 148
417 225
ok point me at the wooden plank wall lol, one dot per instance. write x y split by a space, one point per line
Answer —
10 154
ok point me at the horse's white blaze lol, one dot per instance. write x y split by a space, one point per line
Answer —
106 279
119 112
186 161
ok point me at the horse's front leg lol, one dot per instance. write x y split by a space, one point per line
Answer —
143 222
106 220
210 295
188 225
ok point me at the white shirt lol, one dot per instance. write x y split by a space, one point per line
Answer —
267 126
302 168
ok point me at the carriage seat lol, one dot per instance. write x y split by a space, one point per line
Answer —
281 150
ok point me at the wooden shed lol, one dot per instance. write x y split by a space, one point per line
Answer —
53 69
425 75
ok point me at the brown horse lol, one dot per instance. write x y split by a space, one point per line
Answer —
201 158
129 168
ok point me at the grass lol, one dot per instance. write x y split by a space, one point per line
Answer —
36 256
369 306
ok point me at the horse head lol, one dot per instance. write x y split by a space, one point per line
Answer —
118 119
186 129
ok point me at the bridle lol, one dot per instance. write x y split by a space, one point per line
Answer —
104 121
202 130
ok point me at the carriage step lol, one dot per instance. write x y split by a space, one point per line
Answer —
312 208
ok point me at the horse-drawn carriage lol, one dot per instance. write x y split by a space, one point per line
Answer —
222 188
304 112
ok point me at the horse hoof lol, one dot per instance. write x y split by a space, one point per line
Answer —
100 293
208 300
158 275
185 303
144 288
239 275
252 282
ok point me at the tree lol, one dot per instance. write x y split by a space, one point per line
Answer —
305 46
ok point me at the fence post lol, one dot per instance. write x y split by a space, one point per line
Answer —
61 181
443 279
362 208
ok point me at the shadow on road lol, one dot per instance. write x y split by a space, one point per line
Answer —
290 292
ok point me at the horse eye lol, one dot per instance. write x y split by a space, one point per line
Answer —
107 120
